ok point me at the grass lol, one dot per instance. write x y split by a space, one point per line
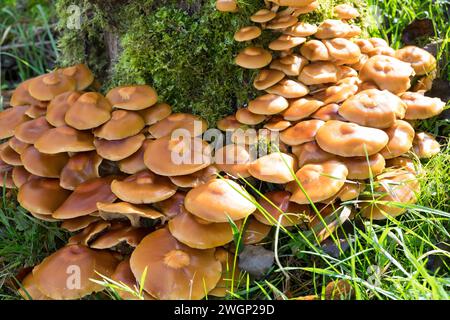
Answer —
383 260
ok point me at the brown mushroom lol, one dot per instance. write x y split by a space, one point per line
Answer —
43 164
342 50
244 116
48 86
29 290
32 130
319 73
425 145
36 112
230 273
286 42
303 131
362 168
137 97
421 60
114 239
289 89
330 29
401 136
89 111
123 124
253 58
301 29
134 163
12 118
80 223
234 160
21 96
290 64
267 78
281 22
125 277
310 7
263 16
315 50
254 232
80 168
20 176
310 152
57 108
116 150
124 210
80 73
172 206
155 113
64 139
419 106
195 179
268 104
9 156
345 12
301 108
247 33
226 5
178 121
328 112
275 167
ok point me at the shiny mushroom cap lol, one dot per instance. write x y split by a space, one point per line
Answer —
301 108
362 168
22 97
341 49
345 12
119 239
43 164
281 22
116 150
12 118
401 136
219 200
263 16
310 152
195 179
301 29
65 139
89 111
29 290
244 116
136 97
315 50
307 8
421 61
134 163
289 89
268 104
267 78
319 73
226 5
155 113
350 140
48 86
286 42
123 124
57 108
80 73
247 33
32 130
425 145
234 160
420 106
290 64
80 168
275 167
124 210
373 108
143 187
253 58
387 73
330 29
303 131
176 271
194 125
52 275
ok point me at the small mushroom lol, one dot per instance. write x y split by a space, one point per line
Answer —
137 97
341 49
268 104
420 106
9 156
229 123
345 12
83 200
36 112
89 111
286 42
247 33
350 140
402 163
244 116
310 152
382 51
123 124
128 236
267 78
116 150
29 290
43 164
425 145
124 276
178 121
80 168
176 270
303 131
319 73
387 73
172 206
65 139
315 50
301 108
195 179
12 118
330 29
254 232
277 123
289 89
134 163
362 168
401 136
22 97
290 64
80 73
275 167
301 29
253 58
51 275
421 60
20 176
143 188
80 223
32 130
57 108
92 232
124 210
310 7
230 273
263 16
281 22
276 204
48 86
226 5
234 160
158 112
319 181
219 200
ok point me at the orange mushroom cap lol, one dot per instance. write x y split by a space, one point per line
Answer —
80 73
123 124
48 86
57 108
64 139
43 164
12 118
89 111
116 150
80 168
136 97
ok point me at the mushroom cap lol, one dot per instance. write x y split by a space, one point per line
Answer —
315 50
125 210
263 16
275 167
345 12
342 49
244 116
80 168
89 111
247 33
182 121
286 42
172 206
155 113
134 163
253 58
290 64
124 275
361 168
169 156
254 231
301 108
274 201
43 164
48 86
301 29
73 260
421 60
230 271
233 159
219 199
402 163
419 106
319 73
32 130
21 96
137 97
365 45
310 152
195 179
12 118
80 73
373 108
351 190
305 8
116 150
268 104
303 131
36 112
91 232
277 123
17 145
123 124
57 108
401 136
387 73
229 123
199 234
328 112
226 5
34 195
319 181
80 223
267 78
65 139
289 89
330 29
29 290
143 187
83 200
130 236
177 271
20 175
9 156
425 145
382 51
281 22
398 186
338 93
350 140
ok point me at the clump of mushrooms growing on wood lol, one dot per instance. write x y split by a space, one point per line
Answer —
102 165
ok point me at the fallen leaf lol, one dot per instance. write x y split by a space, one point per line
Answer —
256 260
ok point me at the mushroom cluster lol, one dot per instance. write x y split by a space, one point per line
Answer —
151 204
